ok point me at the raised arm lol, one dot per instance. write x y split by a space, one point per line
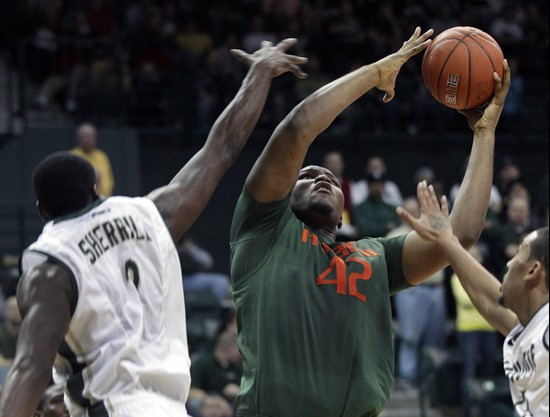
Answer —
182 201
422 259
482 287
44 297
276 171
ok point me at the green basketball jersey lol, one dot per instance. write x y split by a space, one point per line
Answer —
314 316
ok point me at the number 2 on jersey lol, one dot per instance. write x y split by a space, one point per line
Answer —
132 272
341 281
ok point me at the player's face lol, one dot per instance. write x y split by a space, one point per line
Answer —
54 405
513 286
317 197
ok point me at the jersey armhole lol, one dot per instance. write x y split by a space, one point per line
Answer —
60 263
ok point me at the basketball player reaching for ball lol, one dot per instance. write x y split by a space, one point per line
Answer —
518 308
314 314
101 292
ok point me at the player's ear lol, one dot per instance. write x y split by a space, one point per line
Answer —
95 192
340 223
42 213
534 273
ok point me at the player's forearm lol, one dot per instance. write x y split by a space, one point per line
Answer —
23 387
316 113
480 285
470 208
234 126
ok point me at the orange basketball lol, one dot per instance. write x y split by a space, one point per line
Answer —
458 67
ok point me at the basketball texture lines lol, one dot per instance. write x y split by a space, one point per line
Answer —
458 67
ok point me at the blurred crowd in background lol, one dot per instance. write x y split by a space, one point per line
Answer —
148 63
139 62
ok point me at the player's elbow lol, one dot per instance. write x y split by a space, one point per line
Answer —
468 238
32 367
298 124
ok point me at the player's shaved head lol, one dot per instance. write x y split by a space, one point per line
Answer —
63 183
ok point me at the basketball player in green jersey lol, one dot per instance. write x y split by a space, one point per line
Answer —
314 314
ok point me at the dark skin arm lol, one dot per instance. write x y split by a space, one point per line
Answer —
45 293
44 297
182 201
421 258
276 171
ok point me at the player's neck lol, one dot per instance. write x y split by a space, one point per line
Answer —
536 301
327 234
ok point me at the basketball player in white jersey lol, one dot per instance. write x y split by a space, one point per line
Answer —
101 292
518 308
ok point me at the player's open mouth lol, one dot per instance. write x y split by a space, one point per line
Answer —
323 186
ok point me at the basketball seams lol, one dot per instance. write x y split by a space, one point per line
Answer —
485 52
447 60
443 58
469 76
443 69
426 74
488 38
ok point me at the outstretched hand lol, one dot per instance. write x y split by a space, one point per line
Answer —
274 58
487 118
389 66
433 224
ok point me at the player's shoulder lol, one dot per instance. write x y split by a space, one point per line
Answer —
386 243
43 269
47 280
375 246
143 202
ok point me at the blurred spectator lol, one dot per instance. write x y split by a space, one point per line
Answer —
315 80
518 225
215 406
516 190
51 404
504 239
65 81
508 173
427 174
195 40
421 314
506 28
9 276
9 328
86 139
376 167
197 264
495 199
40 20
257 34
219 372
334 162
169 33
477 339
374 217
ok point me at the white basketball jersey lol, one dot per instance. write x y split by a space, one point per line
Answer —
127 330
526 365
